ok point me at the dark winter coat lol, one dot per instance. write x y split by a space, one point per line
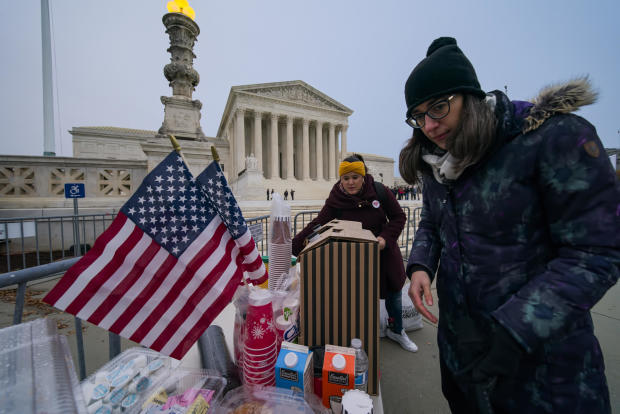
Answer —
529 238
359 208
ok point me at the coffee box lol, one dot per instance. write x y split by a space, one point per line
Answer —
294 368
338 375
339 291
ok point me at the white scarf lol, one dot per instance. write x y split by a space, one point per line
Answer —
444 167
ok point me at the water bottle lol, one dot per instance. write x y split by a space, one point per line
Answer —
361 365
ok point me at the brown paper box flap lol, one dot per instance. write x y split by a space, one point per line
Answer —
340 230
344 223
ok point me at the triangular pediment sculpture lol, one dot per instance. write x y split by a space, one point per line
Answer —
294 91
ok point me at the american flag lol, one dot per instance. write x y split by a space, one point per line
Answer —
167 265
217 191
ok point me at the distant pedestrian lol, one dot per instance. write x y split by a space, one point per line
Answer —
286 194
272 193
267 194
292 194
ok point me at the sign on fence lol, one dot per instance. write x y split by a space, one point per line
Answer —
75 190
256 230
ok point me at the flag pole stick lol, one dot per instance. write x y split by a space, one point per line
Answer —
216 156
177 147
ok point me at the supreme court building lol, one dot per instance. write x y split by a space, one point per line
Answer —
281 136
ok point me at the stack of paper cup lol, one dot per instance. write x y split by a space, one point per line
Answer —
259 353
280 252
356 402
290 308
282 325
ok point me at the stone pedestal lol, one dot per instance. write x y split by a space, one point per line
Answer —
181 118
250 184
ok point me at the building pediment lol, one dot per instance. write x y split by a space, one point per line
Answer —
297 92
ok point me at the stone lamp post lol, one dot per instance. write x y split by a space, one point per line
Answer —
181 113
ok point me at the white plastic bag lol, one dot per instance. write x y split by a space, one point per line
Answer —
412 320
280 243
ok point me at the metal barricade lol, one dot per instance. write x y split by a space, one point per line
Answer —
303 217
98 223
31 241
22 277
263 243
404 240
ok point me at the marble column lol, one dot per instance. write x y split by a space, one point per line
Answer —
319 150
332 152
290 173
305 150
258 139
343 140
275 154
240 140
231 143
338 152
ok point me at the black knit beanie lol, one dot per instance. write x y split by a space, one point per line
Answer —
444 70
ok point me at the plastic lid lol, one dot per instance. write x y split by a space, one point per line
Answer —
290 360
356 401
266 259
282 323
290 302
339 362
260 297
356 343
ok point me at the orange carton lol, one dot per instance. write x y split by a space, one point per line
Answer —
338 375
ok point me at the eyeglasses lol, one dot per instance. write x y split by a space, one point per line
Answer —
438 110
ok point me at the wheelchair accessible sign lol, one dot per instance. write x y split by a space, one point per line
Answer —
75 190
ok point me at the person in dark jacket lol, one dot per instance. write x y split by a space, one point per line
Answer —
519 228
354 198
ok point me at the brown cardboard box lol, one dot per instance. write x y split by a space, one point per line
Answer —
339 293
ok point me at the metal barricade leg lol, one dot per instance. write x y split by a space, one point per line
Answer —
80 348
19 303
115 344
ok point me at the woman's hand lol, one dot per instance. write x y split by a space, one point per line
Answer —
381 242
419 288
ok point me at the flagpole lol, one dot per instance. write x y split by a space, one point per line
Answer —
216 156
177 147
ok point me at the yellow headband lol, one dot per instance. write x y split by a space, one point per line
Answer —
347 167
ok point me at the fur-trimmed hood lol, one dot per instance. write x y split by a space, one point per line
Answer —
560 98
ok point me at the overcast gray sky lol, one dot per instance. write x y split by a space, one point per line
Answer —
109 58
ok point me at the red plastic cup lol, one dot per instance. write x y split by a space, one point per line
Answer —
259 325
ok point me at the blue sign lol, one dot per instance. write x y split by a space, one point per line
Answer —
75 190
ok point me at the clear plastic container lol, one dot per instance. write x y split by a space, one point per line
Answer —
36 370
186 390
273 400
123 384
361 365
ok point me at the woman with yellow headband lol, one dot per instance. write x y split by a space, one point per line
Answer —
354 197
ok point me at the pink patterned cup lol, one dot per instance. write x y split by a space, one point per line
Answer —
259 326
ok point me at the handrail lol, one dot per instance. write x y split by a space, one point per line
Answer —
23 276
37 272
